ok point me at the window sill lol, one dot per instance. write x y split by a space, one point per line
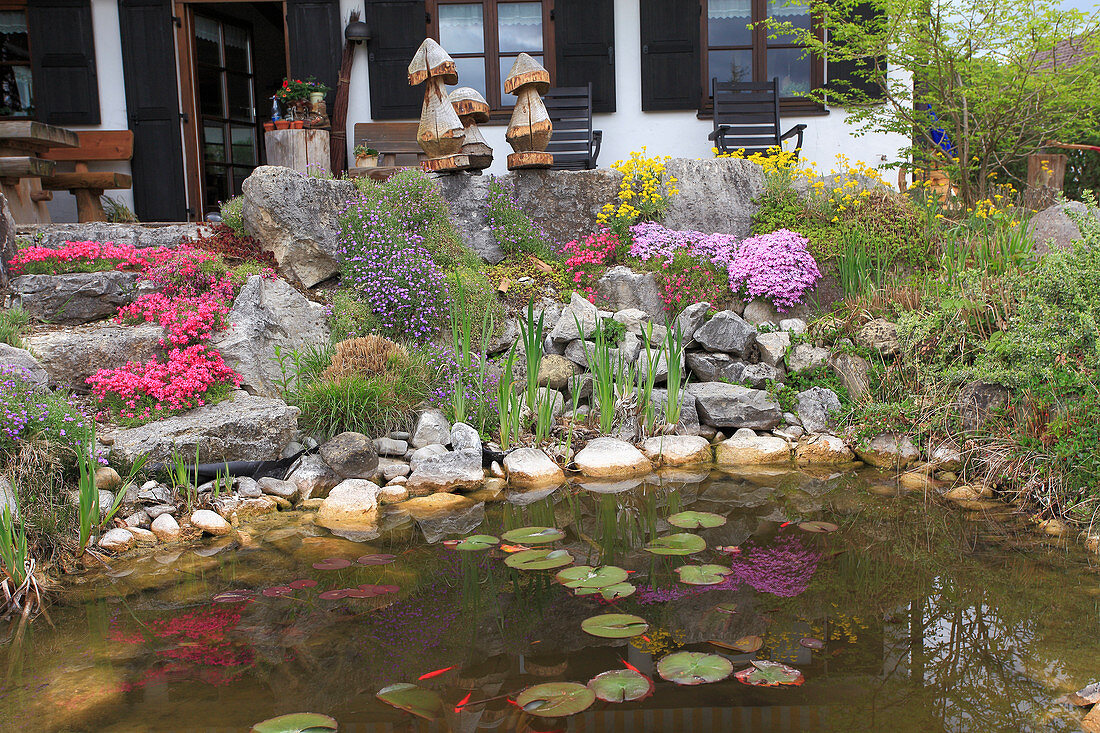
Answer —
784 111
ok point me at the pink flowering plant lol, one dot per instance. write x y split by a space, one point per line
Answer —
777 266
81 257
588 257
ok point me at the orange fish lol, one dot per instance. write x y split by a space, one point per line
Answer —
436 673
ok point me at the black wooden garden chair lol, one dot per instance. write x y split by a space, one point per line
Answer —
746 117
575 145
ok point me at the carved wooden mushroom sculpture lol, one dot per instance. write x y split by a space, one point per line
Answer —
530 128
440 134
472 108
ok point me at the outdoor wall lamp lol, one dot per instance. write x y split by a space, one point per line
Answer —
357 31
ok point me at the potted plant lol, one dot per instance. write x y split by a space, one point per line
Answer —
365 157
282 124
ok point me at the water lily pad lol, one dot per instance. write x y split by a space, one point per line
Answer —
477 542
818 527
615 625
335 594
677 544
619 590
556 699
278 591
769 674
585 576
539 559
414 699
303 583
376 559
729 608
234 596
332 563
695 520
621 685
533 535
811 643
694 668
703 574
296 723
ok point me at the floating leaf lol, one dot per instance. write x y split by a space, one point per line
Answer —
477 542
615 625
621 685
296 723
695 520
332 563
770 674
811 643
620 590
234 596
556 699
303 583
334 595
414 699
539 559
730 608
376 559
694 668
585 576
359 593
748 644
677 544
278 591
703 574
534 535
818 527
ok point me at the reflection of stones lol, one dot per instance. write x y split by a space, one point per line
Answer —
611 487
738 494
525 498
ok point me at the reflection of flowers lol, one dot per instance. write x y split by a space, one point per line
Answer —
659 641
783 568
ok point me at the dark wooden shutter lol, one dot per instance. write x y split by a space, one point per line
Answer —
152 105
398 28
670 54
66 91
316 39
848 77
584 31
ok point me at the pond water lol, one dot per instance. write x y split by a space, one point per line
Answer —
932 620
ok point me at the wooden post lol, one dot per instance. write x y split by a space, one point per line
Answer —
471 109
300 150
1046 175
530 128
440 134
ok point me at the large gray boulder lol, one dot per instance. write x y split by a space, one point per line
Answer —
621 288
579 311
733 406
73 355
716 195
690 320
141 235
708 367
447 472
241 428
688 423
467 200
977 402
565 203
298 218
266 315
75 298
10 356
853 372
352 455
7 240
727 332
817 409
1056 226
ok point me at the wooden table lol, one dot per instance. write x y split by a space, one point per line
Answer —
21 168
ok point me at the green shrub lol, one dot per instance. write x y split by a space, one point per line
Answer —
513 230
231 215
350 317
12 323
479 296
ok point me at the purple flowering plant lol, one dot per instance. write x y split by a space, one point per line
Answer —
512 228
29 411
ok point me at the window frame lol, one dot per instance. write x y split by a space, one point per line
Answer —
21 6
792 105
499 111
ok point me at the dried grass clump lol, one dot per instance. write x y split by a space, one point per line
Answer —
365 356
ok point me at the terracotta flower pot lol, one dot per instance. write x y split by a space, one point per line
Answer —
297 124
269 126
282 124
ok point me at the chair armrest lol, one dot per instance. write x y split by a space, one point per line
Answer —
796 130
719 132
597 141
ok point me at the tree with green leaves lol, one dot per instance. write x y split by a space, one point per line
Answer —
974 83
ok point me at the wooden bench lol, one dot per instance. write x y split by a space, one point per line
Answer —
396 145
87 186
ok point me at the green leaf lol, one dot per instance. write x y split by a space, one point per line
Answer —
556 699
729 608
770 674
621 590
296 723
539 559
694 668
615 625
477 542
414 699
703 574
677 544
585 576
818 527
533 535
621 685
695 520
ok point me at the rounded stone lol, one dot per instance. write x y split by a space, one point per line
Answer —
116 540
531 468
166 528
555 371
107 478
823 449
353 503
210 522
678 450
611 458
746 451
351 455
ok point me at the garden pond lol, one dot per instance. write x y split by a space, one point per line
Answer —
908 617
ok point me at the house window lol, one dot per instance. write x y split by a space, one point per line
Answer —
484 38
737 47
16 88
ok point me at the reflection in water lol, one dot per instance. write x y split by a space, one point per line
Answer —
928 622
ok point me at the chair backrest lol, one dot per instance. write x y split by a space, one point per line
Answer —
751 112
395 142
570 109
97 145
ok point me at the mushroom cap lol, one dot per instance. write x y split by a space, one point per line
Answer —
527 71
429 61
468 102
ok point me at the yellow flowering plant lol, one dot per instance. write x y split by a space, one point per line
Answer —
644 192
